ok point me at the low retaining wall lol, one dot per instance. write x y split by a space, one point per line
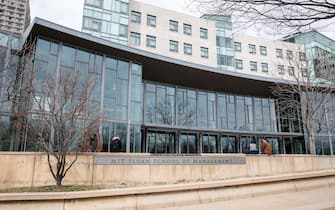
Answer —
31 169
154 197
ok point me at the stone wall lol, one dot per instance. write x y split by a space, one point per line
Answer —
31 169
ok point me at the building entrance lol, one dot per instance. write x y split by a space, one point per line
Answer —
174 141
161 142
228 144
209 143
188 143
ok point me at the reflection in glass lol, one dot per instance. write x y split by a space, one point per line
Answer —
202 109
228 144
188 143
222 111
67 56
161 142
160 104
245 142
209 144
240 113
231 112
111 129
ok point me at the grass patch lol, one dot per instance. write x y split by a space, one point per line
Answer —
65 188
70 188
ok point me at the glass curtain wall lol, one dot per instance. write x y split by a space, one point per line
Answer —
117 91
323 120
224 43
9 61
170 105
107 19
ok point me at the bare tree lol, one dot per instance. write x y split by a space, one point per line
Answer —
61 112
306 96
283 14
52 113
66 112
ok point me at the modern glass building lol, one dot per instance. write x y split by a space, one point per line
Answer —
107 19
158 104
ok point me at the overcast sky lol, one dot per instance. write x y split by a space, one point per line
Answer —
69 12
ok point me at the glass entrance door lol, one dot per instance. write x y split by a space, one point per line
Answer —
294 145
188 143
209 144
245 142
274 141
161 142
228 144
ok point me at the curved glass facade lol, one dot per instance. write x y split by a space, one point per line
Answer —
168 105
165 118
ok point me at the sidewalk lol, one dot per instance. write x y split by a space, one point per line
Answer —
316 199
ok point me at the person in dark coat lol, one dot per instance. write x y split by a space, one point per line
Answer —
115 144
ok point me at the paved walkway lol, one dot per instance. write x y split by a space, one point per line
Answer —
317 199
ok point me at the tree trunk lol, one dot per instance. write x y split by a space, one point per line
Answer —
311 142
59 182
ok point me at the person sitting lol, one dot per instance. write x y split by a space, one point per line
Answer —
115 144
253 147
267 149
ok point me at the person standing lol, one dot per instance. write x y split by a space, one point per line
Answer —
267 149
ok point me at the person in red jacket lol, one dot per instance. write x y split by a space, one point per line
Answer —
267 149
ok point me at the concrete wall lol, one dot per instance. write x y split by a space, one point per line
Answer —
164 35
181 196
31 169
270 58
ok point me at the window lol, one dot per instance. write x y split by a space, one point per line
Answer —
289 54
265 67
263 50
151 20
302 56
253 66
123 30
173 46
224 42
225 60
204 52
124 8
238 64
92 24
135 17
187 49
151 41
135 38
95 3
281 69
290 70
279 53
173 25
252 49
187 29
203 33
237 46
304 72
